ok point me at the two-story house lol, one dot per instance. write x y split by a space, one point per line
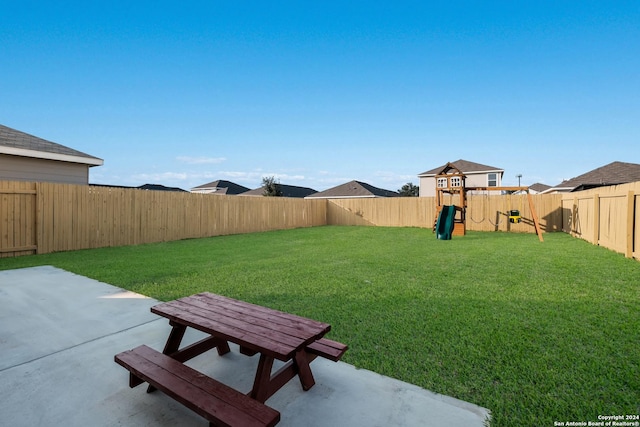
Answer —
477 175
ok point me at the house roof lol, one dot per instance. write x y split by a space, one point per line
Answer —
159 187
612 174
539 187
353 189
465 167
16 143
286 190
155 187
222 187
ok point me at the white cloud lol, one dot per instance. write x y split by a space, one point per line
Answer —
258 175
241 175
283 177
394 177
161 177
201 160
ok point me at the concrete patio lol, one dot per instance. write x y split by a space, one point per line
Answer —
59 333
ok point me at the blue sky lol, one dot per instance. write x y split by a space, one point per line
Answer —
320 93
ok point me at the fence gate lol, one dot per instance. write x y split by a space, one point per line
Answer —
18 234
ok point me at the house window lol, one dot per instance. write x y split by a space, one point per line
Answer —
456 181
442 182
493 180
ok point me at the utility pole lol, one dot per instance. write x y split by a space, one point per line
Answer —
519 176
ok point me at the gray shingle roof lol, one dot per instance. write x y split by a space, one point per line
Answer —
159 187
465 167
224 187
539 187
354 189
286 190
154 187
612 174
13 138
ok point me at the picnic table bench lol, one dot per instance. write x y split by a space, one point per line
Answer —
218 403
273 334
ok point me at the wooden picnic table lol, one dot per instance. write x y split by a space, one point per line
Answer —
271 333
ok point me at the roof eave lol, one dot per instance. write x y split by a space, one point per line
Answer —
12 151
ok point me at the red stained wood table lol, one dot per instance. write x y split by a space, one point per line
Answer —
256 329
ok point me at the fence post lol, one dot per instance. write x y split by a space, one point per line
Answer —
630 219
38 206
596 219
573 229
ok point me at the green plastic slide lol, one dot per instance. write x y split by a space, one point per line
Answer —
444 226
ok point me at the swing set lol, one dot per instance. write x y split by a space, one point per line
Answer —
451 219
513 214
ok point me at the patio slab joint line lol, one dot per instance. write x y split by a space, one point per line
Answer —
79 344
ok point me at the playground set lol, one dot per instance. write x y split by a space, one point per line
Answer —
450 220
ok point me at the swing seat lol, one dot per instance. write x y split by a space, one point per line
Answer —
514 216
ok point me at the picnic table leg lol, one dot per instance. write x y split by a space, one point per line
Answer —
262 383
172 345
304 370
265 384
175 338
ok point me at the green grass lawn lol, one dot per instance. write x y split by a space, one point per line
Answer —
535 332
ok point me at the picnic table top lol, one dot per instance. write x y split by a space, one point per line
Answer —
265 330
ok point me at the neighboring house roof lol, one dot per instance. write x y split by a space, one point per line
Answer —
353 189
16 143
465 167
612 174
158 187
155 187
538 187
286 190
220 187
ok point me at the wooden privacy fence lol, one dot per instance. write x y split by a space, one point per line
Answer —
491 213
484 212
387 212
18 208
46 217
605 216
